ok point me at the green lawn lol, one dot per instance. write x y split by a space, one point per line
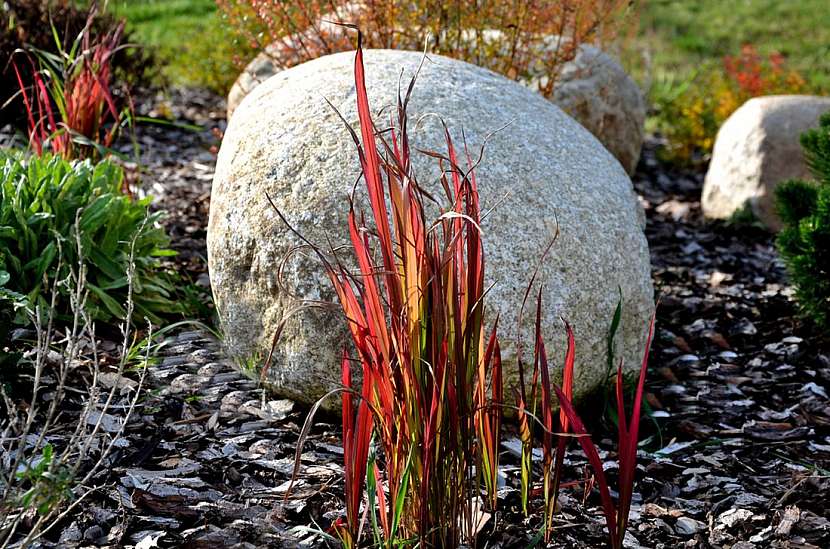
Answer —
166 23
188 37
680 35
674 37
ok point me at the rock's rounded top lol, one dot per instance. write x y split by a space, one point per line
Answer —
540 170
593 88
389 71
757 148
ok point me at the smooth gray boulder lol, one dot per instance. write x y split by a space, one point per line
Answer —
593 88
542 168
756 149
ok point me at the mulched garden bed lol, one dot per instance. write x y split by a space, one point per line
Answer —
739 454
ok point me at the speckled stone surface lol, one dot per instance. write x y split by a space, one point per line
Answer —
543 168
756 149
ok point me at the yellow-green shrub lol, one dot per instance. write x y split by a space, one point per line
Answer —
690 113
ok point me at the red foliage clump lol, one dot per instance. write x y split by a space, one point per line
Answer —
432 391
70 105
754 76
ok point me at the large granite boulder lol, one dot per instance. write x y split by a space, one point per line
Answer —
593 88
543 168
756 149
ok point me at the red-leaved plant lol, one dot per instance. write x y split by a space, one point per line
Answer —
432 391
70 105
539 398
752 75
431 379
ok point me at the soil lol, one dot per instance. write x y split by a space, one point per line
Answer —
736 452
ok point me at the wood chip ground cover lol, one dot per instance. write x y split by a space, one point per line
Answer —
738 387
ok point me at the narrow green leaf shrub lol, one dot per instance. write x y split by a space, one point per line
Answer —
40 198
804 207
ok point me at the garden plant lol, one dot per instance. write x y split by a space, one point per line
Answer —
521 40
51 30
70 103
125 422
804 242
41 198
432 395
690 111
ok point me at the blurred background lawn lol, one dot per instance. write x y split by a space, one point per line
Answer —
682 35
190 39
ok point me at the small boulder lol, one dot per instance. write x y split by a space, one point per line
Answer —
542 170
756 149
593 88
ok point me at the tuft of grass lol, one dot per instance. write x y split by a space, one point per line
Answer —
431 389
71 102
421 434
616 516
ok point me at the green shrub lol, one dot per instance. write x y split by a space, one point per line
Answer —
213 58
804 207
43 200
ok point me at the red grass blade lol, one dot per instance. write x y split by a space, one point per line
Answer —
33 138
629 436
593 458
371 167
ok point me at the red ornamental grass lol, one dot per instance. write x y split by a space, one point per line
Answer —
541 396
70 102
432 389
616 517
571 425
431 393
